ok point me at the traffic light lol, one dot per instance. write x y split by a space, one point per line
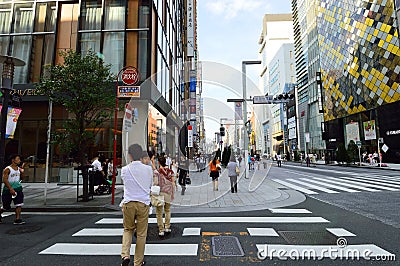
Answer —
283 96
222 131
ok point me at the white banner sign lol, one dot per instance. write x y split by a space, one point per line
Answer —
190 28
369 129
352 132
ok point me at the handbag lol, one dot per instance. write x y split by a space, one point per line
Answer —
155 190
157 200
237 170
188 181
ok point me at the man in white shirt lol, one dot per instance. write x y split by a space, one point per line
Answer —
168 162
137 177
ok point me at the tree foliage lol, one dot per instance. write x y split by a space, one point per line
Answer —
352 152
83 85
341 155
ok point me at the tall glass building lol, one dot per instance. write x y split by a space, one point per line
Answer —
141 33
360 65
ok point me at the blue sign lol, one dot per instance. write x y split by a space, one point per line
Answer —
192 84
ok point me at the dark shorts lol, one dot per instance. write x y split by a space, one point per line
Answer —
7 199
214 175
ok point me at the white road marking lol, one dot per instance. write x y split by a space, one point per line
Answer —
376 181
296 211
262 232
198 220
285 252
191 231
312 186
6 214
330 185
340 232
84 249
100 232
292 186
367 183
343 183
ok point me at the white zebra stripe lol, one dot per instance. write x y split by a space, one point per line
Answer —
330 185
304 190
197 220
343 183
84 249
371 183
313 186
368 185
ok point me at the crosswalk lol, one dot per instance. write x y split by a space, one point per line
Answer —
315 183
191 239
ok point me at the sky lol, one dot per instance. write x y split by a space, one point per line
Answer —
228 32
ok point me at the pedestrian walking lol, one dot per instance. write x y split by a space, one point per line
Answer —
233 172
137 178
12 191
164 177
308 160
213 171
240 160
168 162
183 173
279 160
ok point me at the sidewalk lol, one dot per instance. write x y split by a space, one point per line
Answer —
254 193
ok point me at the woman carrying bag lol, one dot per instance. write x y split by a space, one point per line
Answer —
164 177
233 172
214 169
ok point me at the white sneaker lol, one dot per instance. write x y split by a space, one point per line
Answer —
161 233
167 230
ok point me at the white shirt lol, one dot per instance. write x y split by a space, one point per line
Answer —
168 162
137 178
97 165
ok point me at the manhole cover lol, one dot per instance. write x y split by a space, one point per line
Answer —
308 238
23 229
227 246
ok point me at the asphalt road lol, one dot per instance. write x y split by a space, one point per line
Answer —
365 220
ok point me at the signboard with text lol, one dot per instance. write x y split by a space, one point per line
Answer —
369 130
128 91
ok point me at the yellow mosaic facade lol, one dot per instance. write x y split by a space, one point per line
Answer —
359 55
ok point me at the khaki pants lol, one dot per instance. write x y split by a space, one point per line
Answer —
132 211
167 210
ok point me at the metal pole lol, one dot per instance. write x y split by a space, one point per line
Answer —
46 176
245 144
7 81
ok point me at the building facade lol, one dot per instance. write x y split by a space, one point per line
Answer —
277 30
147 35
307 67
360 66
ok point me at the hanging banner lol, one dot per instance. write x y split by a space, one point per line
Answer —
12 119
352 132
238 111
369 130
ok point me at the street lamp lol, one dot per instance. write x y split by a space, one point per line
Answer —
7 77
245 141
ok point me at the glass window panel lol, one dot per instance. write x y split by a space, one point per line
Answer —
113 50
22 50
91 15
143 54
5 18
23 18
114 14
90 41
4 42
45 17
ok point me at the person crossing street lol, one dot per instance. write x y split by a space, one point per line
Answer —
12 191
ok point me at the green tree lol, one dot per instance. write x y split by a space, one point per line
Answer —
83 85
341 155
352 152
